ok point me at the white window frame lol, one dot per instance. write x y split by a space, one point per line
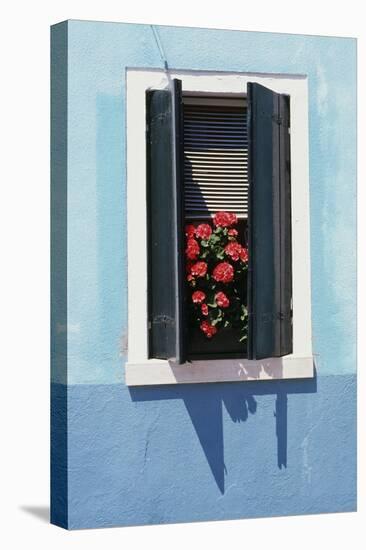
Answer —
139 369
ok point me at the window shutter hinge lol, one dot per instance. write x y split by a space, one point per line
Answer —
284 315
163 320
281 121
277 119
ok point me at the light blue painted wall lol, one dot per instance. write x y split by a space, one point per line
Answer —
124 447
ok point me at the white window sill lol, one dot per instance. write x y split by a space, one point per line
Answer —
155 372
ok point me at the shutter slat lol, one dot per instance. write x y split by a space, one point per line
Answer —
219 161
235 170
215 159
214 126
219 181
204 129
214 193
204 114
216 151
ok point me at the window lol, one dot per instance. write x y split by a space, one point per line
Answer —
183 185
177 192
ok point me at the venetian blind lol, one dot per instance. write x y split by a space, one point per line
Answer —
215 157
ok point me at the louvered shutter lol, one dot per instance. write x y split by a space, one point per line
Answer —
269 277
215 157
165 223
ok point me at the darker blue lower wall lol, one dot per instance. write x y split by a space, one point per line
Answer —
59 462
219 451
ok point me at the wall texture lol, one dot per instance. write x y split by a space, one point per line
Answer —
197 452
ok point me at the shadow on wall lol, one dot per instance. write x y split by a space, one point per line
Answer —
204 404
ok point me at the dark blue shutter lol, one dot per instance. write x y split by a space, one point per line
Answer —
269 224
165 223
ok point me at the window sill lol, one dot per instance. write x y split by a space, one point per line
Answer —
155 372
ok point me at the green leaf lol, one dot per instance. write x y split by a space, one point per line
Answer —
244 313
217 316
214 239
216 321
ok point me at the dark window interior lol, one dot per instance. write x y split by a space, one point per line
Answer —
215 179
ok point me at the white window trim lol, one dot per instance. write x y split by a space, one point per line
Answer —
139 370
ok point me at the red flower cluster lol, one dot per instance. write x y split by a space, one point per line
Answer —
222 300
204 309
190 231
203 231
236 251
225 219
244 255
198 297
223 272
216 285
192 249
208 329
199 269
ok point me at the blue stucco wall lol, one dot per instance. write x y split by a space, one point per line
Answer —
216 451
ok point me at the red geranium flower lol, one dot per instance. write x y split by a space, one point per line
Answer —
190 231
208 280
208 329
222 300
204 231
198 296
233 249
188 266
244 254
225 219
193 249
223 272
199 269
